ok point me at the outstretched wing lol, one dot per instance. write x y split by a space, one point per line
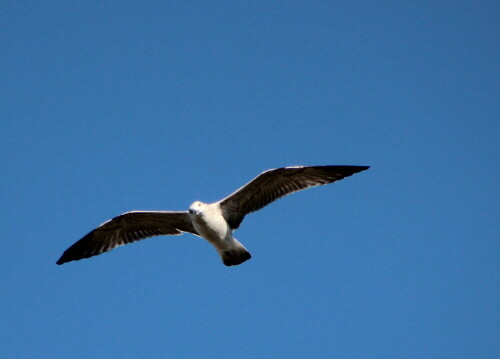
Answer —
127 228
276 183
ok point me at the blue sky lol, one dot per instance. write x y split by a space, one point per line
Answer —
107 107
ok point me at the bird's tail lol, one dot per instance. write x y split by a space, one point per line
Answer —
236 255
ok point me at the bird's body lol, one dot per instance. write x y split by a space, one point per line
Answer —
215 221
209 222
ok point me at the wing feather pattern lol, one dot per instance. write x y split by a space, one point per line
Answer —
276 183
127 228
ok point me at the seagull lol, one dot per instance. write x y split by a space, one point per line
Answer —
214 222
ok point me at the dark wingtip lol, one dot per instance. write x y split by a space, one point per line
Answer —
64 259
347 168
352 169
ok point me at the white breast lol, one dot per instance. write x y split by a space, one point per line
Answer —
212 226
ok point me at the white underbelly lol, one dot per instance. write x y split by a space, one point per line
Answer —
215 230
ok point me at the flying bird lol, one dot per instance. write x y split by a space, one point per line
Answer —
214 222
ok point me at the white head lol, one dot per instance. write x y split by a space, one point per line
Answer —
197 207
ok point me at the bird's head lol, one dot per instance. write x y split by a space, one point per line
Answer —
197 207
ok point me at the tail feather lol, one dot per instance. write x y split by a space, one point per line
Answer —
236 255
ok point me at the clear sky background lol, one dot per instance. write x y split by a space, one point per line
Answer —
111 106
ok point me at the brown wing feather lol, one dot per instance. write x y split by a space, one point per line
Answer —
127 228
276 183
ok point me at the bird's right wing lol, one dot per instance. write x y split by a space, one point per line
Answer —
127 228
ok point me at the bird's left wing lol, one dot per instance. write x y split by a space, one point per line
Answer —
276 183
127 228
